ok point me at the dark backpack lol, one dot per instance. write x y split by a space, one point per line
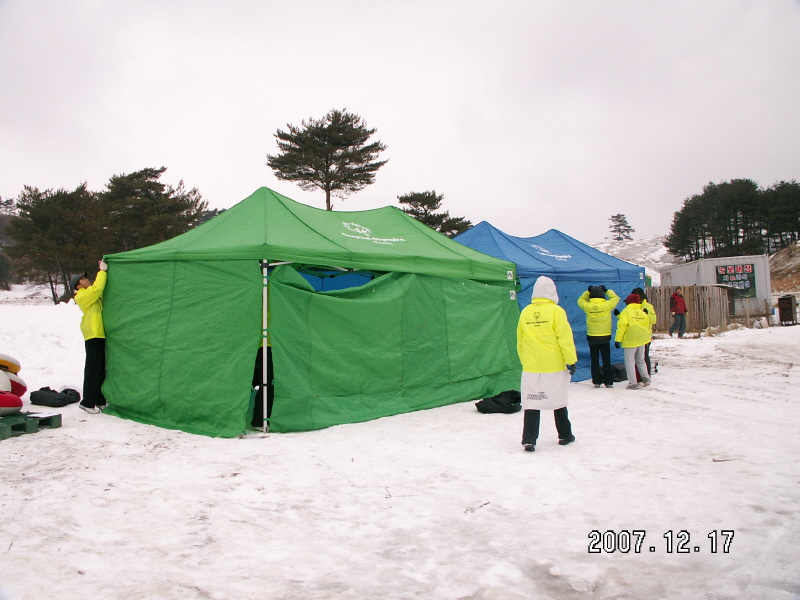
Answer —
47 397
507 402
618 372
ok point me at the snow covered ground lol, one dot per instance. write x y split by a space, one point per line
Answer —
437 504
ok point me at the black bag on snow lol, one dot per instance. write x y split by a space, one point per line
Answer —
508 402
47 397
618 372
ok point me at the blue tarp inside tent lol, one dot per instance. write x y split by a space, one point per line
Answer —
571 264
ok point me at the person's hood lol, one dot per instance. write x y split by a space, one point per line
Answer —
73 281
545 288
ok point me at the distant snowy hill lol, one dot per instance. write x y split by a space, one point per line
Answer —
653 256
649 253
784 268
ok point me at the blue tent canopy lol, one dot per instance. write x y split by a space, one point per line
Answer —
571 264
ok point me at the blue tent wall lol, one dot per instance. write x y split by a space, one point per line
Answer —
571 264
335 281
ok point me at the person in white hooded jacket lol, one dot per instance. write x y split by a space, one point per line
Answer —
547 352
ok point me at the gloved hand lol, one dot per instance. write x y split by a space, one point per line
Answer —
672 313
572 369
103 265
604 288
616 312
616 344
646 311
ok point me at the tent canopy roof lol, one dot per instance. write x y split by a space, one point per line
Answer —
269 226
553 253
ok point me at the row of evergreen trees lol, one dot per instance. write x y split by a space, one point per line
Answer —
55 233
736 218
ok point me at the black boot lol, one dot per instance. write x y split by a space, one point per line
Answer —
530 429
563 426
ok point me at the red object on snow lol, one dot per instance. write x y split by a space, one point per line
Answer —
10 404
18 386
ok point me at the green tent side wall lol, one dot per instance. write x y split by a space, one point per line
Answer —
181 341
401 343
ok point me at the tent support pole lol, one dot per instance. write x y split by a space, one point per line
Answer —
264 341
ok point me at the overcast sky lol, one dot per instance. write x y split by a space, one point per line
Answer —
528 114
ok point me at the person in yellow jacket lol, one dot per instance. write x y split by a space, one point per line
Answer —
651 310
89 298
633 332
598 330
547 353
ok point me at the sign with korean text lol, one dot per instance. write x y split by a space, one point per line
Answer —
740 277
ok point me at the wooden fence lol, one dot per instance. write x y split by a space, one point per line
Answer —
706 306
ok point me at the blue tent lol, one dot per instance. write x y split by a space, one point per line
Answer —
571 264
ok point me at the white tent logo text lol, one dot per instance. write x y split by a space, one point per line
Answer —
366 234
546 252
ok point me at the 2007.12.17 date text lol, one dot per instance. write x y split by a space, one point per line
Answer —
625 541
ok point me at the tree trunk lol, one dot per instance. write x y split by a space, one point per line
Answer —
52 288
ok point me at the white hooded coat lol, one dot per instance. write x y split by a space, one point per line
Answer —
545 346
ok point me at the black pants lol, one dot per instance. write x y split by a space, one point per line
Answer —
530 429
258 407
94 372
595 352
647 356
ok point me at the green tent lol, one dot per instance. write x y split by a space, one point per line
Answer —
433 325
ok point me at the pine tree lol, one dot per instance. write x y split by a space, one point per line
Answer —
7 211
736 218
6 271
782 203
140 210
57 233
620 229
210 214
421 206
329 154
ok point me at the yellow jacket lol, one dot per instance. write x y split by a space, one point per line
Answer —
651 311
90 301
598 312
544 338
633 326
